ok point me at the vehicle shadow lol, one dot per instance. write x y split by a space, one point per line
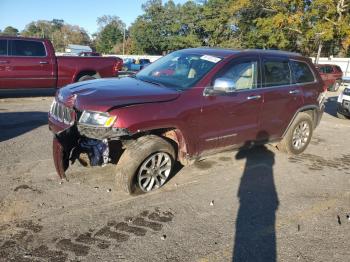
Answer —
9 93
255 236
331 106
13 124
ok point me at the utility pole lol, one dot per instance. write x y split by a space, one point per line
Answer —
320 45
318 52
124 41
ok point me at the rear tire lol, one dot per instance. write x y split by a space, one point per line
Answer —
335 86
298 135
85 78
135 166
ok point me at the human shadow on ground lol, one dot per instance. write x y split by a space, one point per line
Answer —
255 236
331 106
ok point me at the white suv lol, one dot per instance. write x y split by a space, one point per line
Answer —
343 109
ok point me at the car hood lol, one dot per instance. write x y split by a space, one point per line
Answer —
104 94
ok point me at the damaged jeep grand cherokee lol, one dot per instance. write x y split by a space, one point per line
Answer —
184 106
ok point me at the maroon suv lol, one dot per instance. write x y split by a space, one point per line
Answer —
186 105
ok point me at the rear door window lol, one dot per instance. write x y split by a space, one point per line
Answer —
27 48
322 69
3 47
276 72
329 69
302 72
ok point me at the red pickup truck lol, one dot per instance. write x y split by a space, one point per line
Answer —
31 63
331 75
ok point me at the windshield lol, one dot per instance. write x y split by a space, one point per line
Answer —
178 70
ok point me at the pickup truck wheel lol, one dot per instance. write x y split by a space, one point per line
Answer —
341 116
335 86
86 77
298 135
145 165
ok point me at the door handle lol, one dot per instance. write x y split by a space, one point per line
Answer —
43 62
256 97
293 92
4 62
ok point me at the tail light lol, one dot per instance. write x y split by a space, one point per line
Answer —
325 88
117 65
115 68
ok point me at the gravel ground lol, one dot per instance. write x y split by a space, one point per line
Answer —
255 205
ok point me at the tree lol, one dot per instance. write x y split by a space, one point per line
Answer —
218 24
60 33
10 31
111 31
295 25
167 27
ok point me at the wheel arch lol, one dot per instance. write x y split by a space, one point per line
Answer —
312 110
175 137
86 72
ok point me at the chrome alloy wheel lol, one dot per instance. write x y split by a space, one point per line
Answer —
301 135
154 171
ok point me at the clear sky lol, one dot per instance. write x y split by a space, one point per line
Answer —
18 13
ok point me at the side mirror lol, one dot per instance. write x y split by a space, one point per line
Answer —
224 85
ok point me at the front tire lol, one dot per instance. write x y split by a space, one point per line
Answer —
298 135
145 165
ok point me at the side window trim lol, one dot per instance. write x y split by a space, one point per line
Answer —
280 59
237 61
312 72
9 48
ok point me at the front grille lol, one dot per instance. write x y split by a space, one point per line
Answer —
62 113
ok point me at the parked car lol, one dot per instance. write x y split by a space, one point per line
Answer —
89 54
135 65
331 75
343 108
213 100
31 63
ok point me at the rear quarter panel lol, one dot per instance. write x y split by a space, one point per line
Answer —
69 67
311 91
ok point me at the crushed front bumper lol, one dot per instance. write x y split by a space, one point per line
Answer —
70 143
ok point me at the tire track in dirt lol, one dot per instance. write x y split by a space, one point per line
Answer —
18 246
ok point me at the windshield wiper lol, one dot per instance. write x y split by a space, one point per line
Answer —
157 83
148 81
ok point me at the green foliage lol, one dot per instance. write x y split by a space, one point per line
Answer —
110 34
60 33
9 31
294 25
163 28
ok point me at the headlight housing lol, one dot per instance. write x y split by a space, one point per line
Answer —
98 119
346 91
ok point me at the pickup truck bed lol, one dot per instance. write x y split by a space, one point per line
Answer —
31 63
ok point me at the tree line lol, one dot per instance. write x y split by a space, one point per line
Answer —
296 25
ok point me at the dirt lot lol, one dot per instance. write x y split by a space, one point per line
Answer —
256 205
